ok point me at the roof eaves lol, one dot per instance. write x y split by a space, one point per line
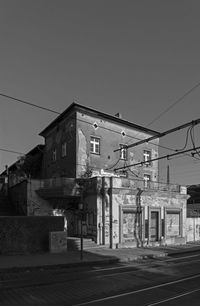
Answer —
100 114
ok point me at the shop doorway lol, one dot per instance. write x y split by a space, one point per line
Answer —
154 229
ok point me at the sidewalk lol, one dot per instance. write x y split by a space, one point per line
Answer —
90 257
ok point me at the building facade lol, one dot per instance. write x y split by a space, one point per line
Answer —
83 142
86 160
121 207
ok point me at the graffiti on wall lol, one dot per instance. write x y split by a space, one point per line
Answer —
173 224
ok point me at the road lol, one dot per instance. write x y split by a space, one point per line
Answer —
165 281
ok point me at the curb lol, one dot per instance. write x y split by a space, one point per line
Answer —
184 251
59 266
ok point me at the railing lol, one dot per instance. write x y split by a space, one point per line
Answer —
57 182
163 187
71 184
148 185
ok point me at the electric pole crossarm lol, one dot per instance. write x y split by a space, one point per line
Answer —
158 158
180 127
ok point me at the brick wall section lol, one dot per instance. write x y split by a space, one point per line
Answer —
25 235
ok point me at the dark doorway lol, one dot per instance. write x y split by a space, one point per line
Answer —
154 226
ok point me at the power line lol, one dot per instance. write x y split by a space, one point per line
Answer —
193 123
11 151
175 103
30 104
53 111
158 158
133 137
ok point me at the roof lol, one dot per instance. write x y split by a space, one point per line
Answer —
78 107
30 153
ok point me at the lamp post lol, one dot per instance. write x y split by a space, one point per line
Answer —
80 206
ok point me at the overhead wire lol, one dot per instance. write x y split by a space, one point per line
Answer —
174 103
58 113
29 103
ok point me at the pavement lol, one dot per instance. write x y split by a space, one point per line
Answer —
98 255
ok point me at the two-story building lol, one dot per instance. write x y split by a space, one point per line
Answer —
125 207
82 141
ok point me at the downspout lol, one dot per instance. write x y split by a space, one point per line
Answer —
102 225
111 212
138 227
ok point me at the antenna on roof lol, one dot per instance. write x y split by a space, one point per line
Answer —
118 115
75 99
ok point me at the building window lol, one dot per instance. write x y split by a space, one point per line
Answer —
94 145
173 223
147 158
64 149
147 179
54 155
123 152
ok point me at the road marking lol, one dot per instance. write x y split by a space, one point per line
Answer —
184 257
139 291
112 268
174 298
142 264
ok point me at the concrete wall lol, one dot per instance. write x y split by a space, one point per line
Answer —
26 200
36 206
23 235
193 229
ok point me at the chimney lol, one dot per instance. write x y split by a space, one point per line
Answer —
118 115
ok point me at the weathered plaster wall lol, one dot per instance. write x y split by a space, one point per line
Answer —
111 136
65 131
119 196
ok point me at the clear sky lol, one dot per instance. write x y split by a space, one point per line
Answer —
136 57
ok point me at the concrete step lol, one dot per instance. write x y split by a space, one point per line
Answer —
74 243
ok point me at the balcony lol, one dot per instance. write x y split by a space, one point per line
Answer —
148 185
59 187
157 186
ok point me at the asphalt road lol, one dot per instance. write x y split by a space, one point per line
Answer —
165 281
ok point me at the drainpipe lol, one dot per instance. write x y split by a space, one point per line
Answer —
102 224
111 213
138 217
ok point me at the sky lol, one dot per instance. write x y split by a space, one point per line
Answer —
135 57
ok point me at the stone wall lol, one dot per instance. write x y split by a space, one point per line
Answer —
25 235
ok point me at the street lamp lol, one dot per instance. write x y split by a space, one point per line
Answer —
80 206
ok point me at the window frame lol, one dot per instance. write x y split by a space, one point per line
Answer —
123 151
147 163
174 211
54 155
64 149
94 143
147 181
